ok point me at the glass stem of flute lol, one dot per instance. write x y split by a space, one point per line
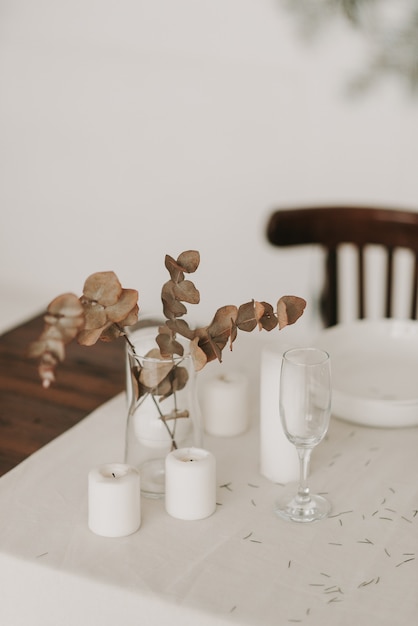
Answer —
304 460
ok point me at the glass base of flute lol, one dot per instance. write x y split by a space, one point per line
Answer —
304 506
305 408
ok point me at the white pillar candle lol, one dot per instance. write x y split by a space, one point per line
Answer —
190 483
225 405
279 461
114 505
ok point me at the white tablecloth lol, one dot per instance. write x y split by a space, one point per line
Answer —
242 565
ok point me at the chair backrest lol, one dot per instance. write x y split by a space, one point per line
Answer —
330 227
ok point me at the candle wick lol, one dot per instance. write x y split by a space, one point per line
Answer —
113 474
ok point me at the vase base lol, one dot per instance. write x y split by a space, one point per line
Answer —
153 478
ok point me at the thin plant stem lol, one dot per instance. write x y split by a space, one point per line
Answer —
173 441
151 393
125 336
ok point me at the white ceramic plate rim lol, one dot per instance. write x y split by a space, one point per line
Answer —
353 406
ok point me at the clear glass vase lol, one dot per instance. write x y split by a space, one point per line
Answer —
163 409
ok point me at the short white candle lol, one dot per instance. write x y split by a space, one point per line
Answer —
114 505
279 461
190 483
225 405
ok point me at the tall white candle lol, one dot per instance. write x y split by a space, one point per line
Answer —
225 405
279 461
190 483
114 505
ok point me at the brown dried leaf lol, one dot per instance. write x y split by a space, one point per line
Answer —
154 372
46 369
174 269
249 315
180 376
163 389
167 343
209 347
268 320
127 302
186 292
64 323
36 349
181 327
172 308
89 337
103 287
95 315
221 326
66 305
111 332
131 318
289 310
198 355
189 261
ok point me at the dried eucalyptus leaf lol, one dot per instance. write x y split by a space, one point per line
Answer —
154 372
131 318
181 327
173 308
66 332
209 347
186 292
168 345
163 389
103 287
180 376
174 269
91 336
70 323
138 389
36 349
55 332
95 315
268 320
46 369
164 329
48 345
220 327
126 302
189 261
289 310
248 316
199 357
67 304
110 333
164 343
56 348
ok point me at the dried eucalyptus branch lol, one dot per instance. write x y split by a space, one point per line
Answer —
105 309
208 342
102 312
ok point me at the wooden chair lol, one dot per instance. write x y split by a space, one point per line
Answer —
330 227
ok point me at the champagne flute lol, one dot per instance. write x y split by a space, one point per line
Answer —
305 408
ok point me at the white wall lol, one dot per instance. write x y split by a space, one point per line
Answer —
134 128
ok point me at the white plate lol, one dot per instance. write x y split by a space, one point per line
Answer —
374 366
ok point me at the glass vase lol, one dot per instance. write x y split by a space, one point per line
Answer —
163 409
